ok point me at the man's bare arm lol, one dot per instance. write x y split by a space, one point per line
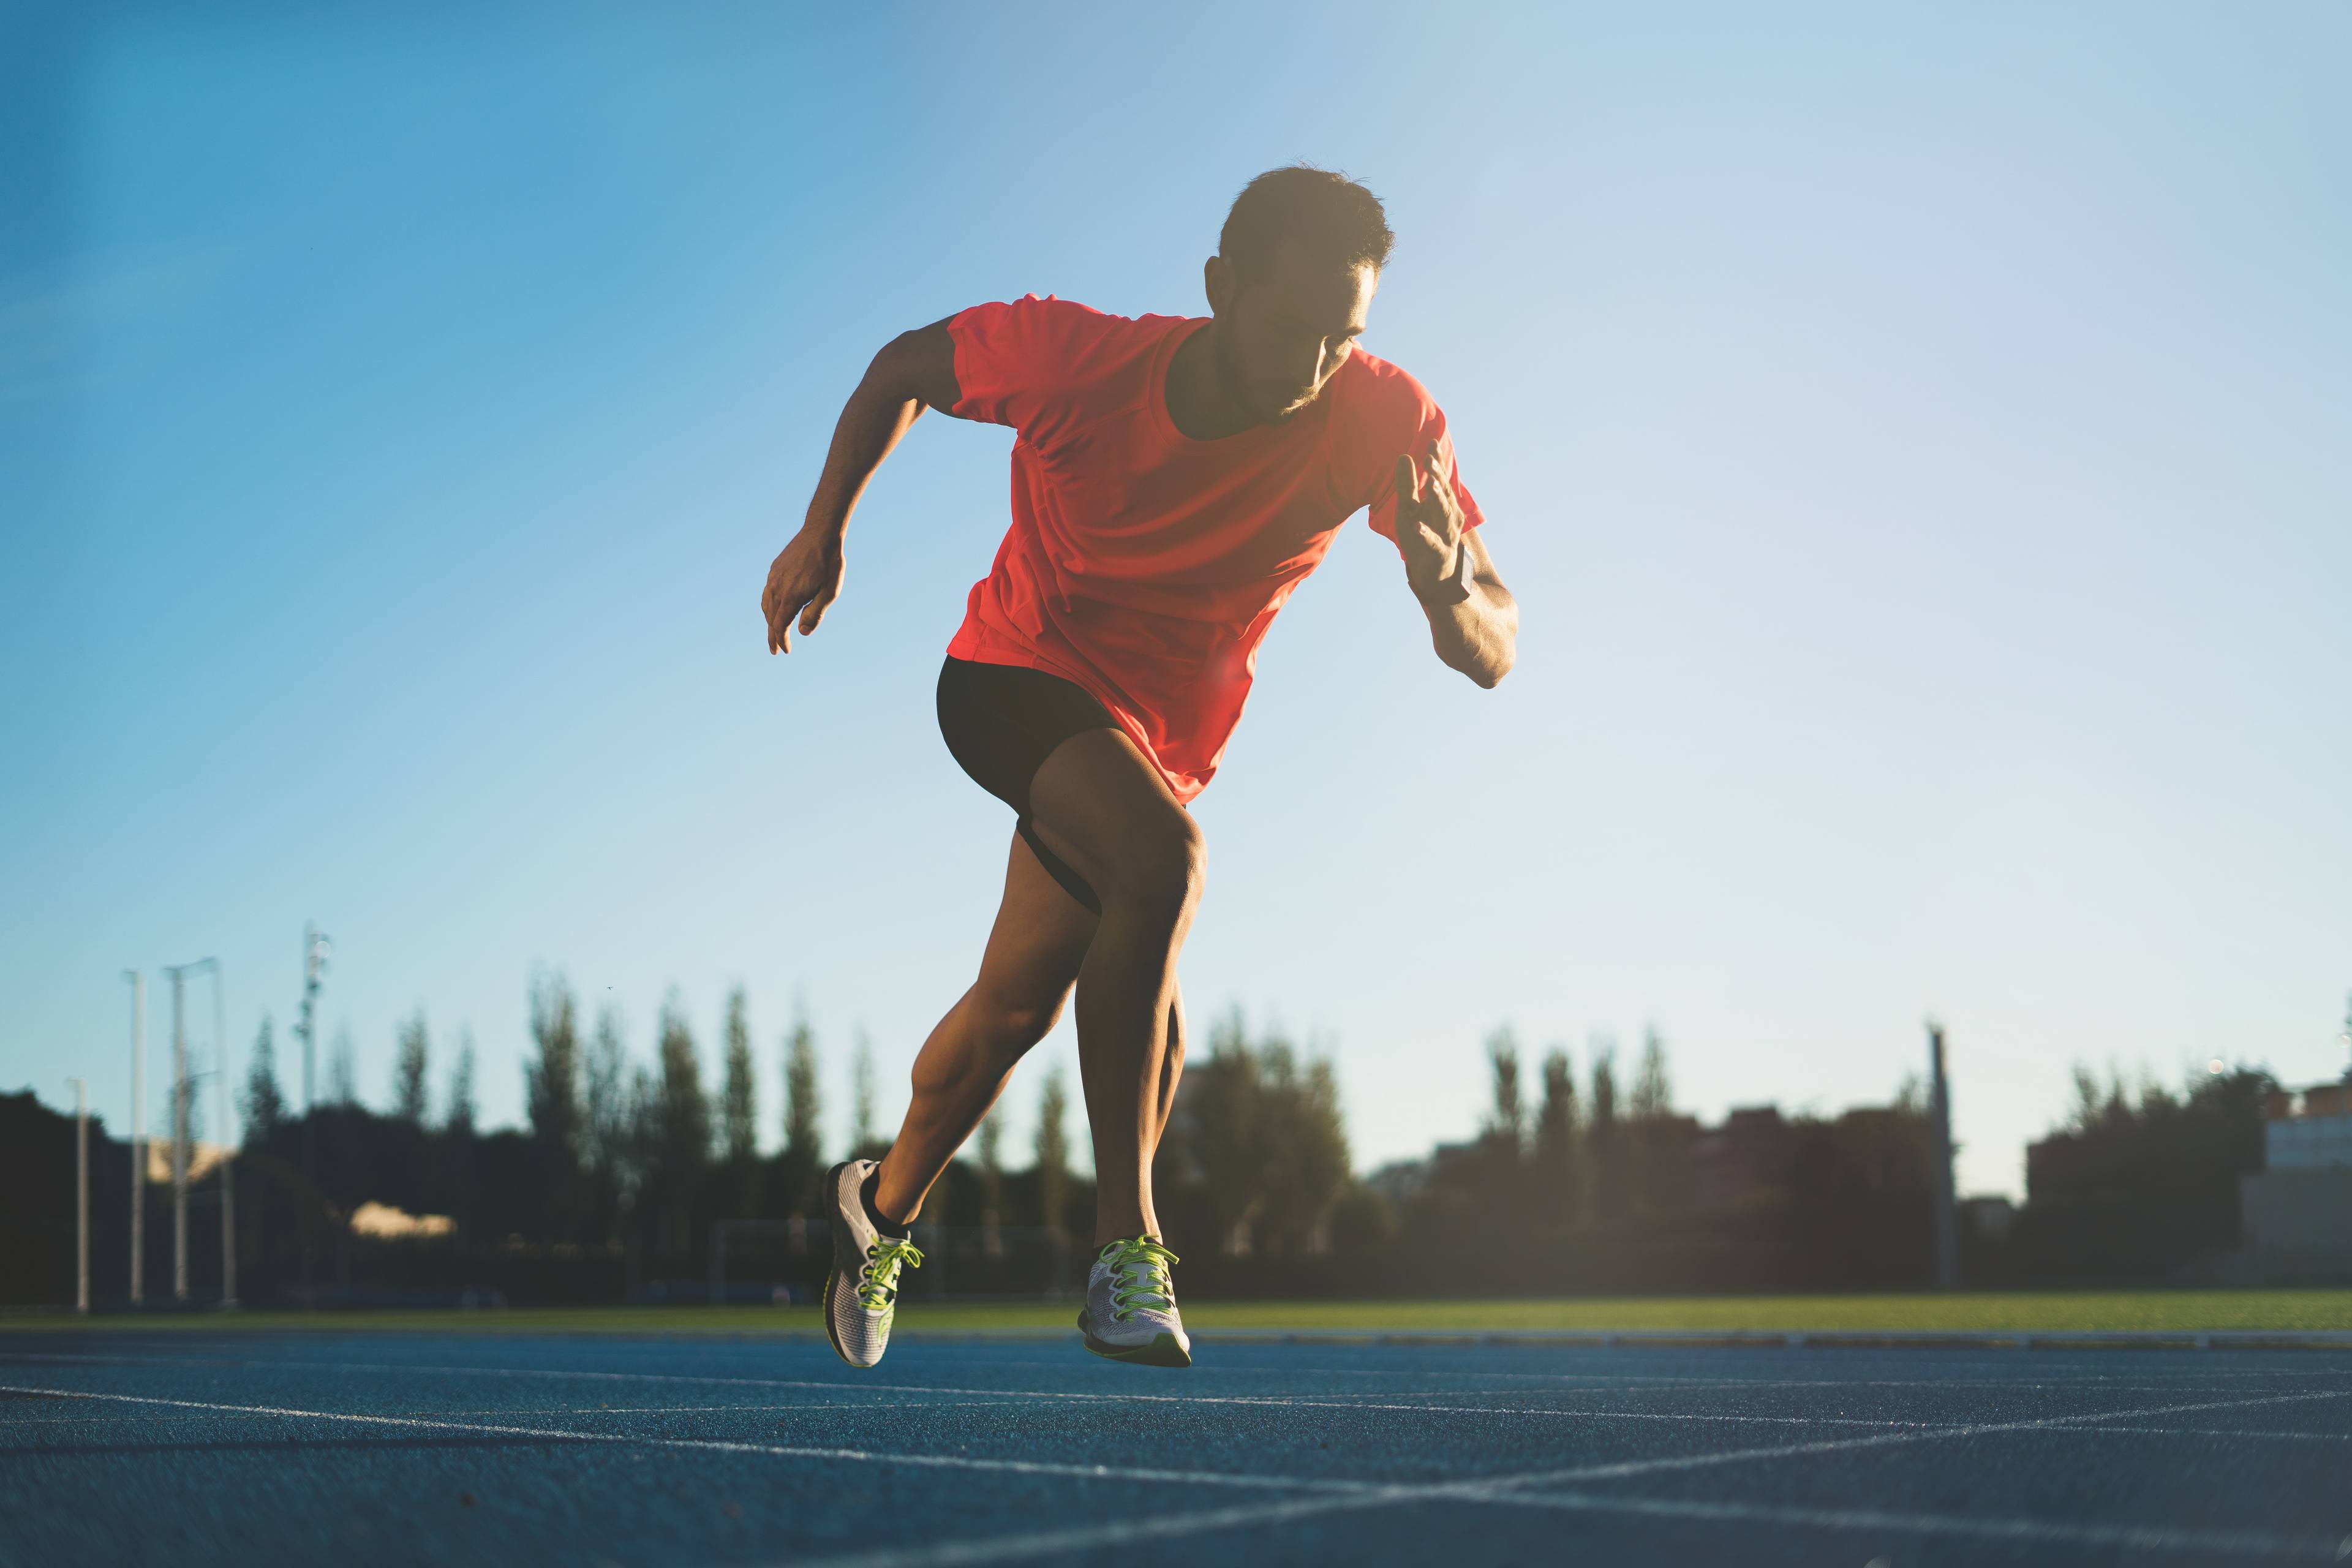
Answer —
1479 634
1473 622
915 371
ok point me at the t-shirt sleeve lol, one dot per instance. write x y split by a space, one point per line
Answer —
1430 426
1013 361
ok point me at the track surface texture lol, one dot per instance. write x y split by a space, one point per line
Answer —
198 1450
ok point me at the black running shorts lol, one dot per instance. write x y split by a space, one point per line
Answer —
1001 722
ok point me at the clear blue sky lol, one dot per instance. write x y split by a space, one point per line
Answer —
1918 443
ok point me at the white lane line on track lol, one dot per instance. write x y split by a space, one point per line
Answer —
1600 1381
2302 1376
98 1420
2142 1538
2225 1432
1273 1401
566 1412
722 1445
205 1410
1830 1380
985 1395
1346 1495
768 1405
1037 1544
1048 1543
1499 1490
1334 1495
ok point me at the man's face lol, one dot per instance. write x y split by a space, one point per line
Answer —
1284 334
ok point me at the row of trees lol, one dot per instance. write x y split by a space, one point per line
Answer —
1610 1187
1254 1159
1572 1159
2141 1182
1572 1182
618 1156
1255 1156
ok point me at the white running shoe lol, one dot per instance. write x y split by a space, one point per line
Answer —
1130 1310
861 1291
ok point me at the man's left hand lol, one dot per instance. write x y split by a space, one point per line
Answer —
1428 528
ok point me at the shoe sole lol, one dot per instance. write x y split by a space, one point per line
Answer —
840 1233
1165 1349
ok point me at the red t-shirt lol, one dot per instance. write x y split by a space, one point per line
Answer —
1142 565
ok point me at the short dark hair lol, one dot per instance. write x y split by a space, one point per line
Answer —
1336 219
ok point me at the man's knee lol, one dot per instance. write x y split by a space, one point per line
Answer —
994 1034
1010 1025
1161 869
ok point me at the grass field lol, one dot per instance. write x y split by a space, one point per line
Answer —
1986 1311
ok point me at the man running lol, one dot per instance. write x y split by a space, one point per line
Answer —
1174 480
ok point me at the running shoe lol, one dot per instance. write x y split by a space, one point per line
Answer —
1130 1310
861 1291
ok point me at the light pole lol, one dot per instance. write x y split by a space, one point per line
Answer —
228 1147
314 965
138 1133
315 947
81 1197
1940 1117
180 1089
2346 1037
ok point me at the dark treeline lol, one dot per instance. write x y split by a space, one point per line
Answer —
617 1184
2141 1186
1605 1186
614 1185
1617 1191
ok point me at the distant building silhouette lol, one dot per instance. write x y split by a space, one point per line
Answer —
2298 1208
1744 1161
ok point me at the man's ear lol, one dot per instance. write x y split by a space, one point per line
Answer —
1219 282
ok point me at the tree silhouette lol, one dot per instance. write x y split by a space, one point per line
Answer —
552 1081
1506 1125
863 1144
343 1068
551 1100
410 1056
458 1110
2136 1185
607 1120
802 1164
1052 1149
739 1099
1557 1200
684 1111
264 1106
1654 1092
990 1145
1255 1158
1603 1137
739 1111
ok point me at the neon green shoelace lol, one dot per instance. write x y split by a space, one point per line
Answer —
1138 1267
878 1282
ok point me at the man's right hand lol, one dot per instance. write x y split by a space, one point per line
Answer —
802 583
914 371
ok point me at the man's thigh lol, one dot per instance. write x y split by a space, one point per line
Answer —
1099 804
1039 940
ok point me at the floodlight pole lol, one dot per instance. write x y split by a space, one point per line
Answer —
2346 1037
179 1133
179 1092
314 964
310 990
138 1133
1939 1116
81 1197
228 1147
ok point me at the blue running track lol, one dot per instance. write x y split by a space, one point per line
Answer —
339 1450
